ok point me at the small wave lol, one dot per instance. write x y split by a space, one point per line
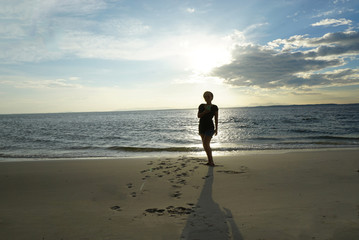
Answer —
34 156
84 148
264 138
303 131
334 138
310 119
314 144
146 149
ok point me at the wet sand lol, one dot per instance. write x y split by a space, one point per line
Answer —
296 195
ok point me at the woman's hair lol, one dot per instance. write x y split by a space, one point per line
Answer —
207 92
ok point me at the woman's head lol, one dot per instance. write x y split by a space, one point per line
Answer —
208 96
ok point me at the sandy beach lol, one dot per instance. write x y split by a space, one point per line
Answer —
261 196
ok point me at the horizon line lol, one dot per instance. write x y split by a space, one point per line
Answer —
166 109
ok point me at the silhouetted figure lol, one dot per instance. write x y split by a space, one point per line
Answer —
207 129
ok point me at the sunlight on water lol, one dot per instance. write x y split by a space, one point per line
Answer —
134 133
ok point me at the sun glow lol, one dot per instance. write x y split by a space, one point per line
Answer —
204 59
204 53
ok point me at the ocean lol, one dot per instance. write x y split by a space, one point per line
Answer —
175 132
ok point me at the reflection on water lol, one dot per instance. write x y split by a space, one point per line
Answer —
149 133
209 221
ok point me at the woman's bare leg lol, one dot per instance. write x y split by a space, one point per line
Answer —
206 140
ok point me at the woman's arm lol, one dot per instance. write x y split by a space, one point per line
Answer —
202 111
201 114
216 123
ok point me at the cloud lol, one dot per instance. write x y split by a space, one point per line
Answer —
100 46
190 10
25 82
123 27
329 44
337 77
67 7
254 27
38 31
340 1
296 62
90 45
266 68
327 13
349 38
12 31
57 29
331 21
31 11
29 50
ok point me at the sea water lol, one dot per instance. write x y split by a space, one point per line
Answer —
166 132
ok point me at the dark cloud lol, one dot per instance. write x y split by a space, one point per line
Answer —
341 38
273 67
336 44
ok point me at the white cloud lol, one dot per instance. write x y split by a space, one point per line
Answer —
334 12
331 21
32 50
12 31
90 45
254 27
190 10
346 42
29 83
66 7
128 27
340 1
327 13
29 29
74 78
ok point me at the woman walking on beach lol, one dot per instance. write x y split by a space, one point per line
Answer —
206 127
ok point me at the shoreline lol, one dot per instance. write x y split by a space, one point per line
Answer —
199 154
293 195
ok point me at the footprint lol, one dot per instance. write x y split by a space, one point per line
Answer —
243 169
185 174
144 178
181 181
179 210
116 208
160 212
231 171
177 194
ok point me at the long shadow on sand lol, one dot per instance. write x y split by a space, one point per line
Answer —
209 221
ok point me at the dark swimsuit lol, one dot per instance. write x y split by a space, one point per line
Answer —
206 126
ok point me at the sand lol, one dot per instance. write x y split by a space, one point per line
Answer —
295 195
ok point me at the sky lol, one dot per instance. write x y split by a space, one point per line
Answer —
112 55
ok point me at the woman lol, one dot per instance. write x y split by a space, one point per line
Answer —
206 127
